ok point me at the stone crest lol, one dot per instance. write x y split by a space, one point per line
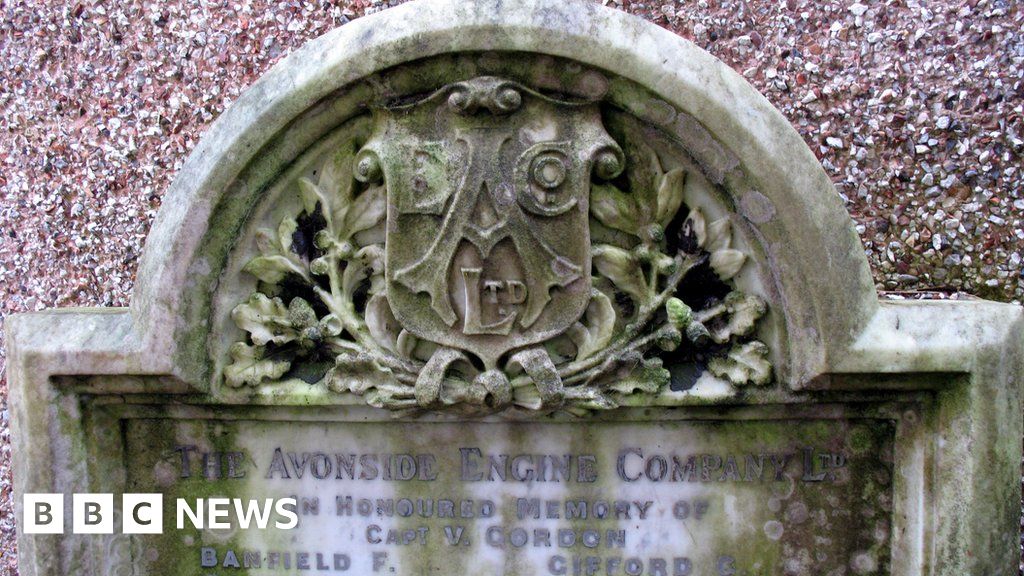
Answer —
485 179
448 262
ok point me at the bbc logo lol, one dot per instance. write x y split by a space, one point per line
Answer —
93 514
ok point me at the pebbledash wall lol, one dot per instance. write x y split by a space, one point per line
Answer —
783 326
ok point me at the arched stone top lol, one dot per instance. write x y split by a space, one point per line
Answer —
817 280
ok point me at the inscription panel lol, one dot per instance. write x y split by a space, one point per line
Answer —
671 498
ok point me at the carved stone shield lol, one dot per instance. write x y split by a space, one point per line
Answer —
488 184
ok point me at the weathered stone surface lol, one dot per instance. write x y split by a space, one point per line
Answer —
493 498
463 234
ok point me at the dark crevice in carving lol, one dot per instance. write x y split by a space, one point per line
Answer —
678 236
703 288
305 232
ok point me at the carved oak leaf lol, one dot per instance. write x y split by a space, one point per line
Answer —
670 195
276 260
697 224
622 268
648 377
644 174
744 310
719 235
333 191
285 232
265 319
727 263
311 195
716 239
360 374
250 366
357 373
367 211
597 328
745 364
629 212
274 269
615 208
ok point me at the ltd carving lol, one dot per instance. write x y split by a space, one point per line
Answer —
492 247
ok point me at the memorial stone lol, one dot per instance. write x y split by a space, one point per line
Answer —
516 288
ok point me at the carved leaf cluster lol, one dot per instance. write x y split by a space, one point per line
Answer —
334 264
649 273
744 363
277 261
716 239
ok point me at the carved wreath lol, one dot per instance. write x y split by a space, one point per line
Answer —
320 312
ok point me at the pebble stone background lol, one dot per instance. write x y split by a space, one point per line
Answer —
914 107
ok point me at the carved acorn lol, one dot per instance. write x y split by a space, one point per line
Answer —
679 314
669 339
698 334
